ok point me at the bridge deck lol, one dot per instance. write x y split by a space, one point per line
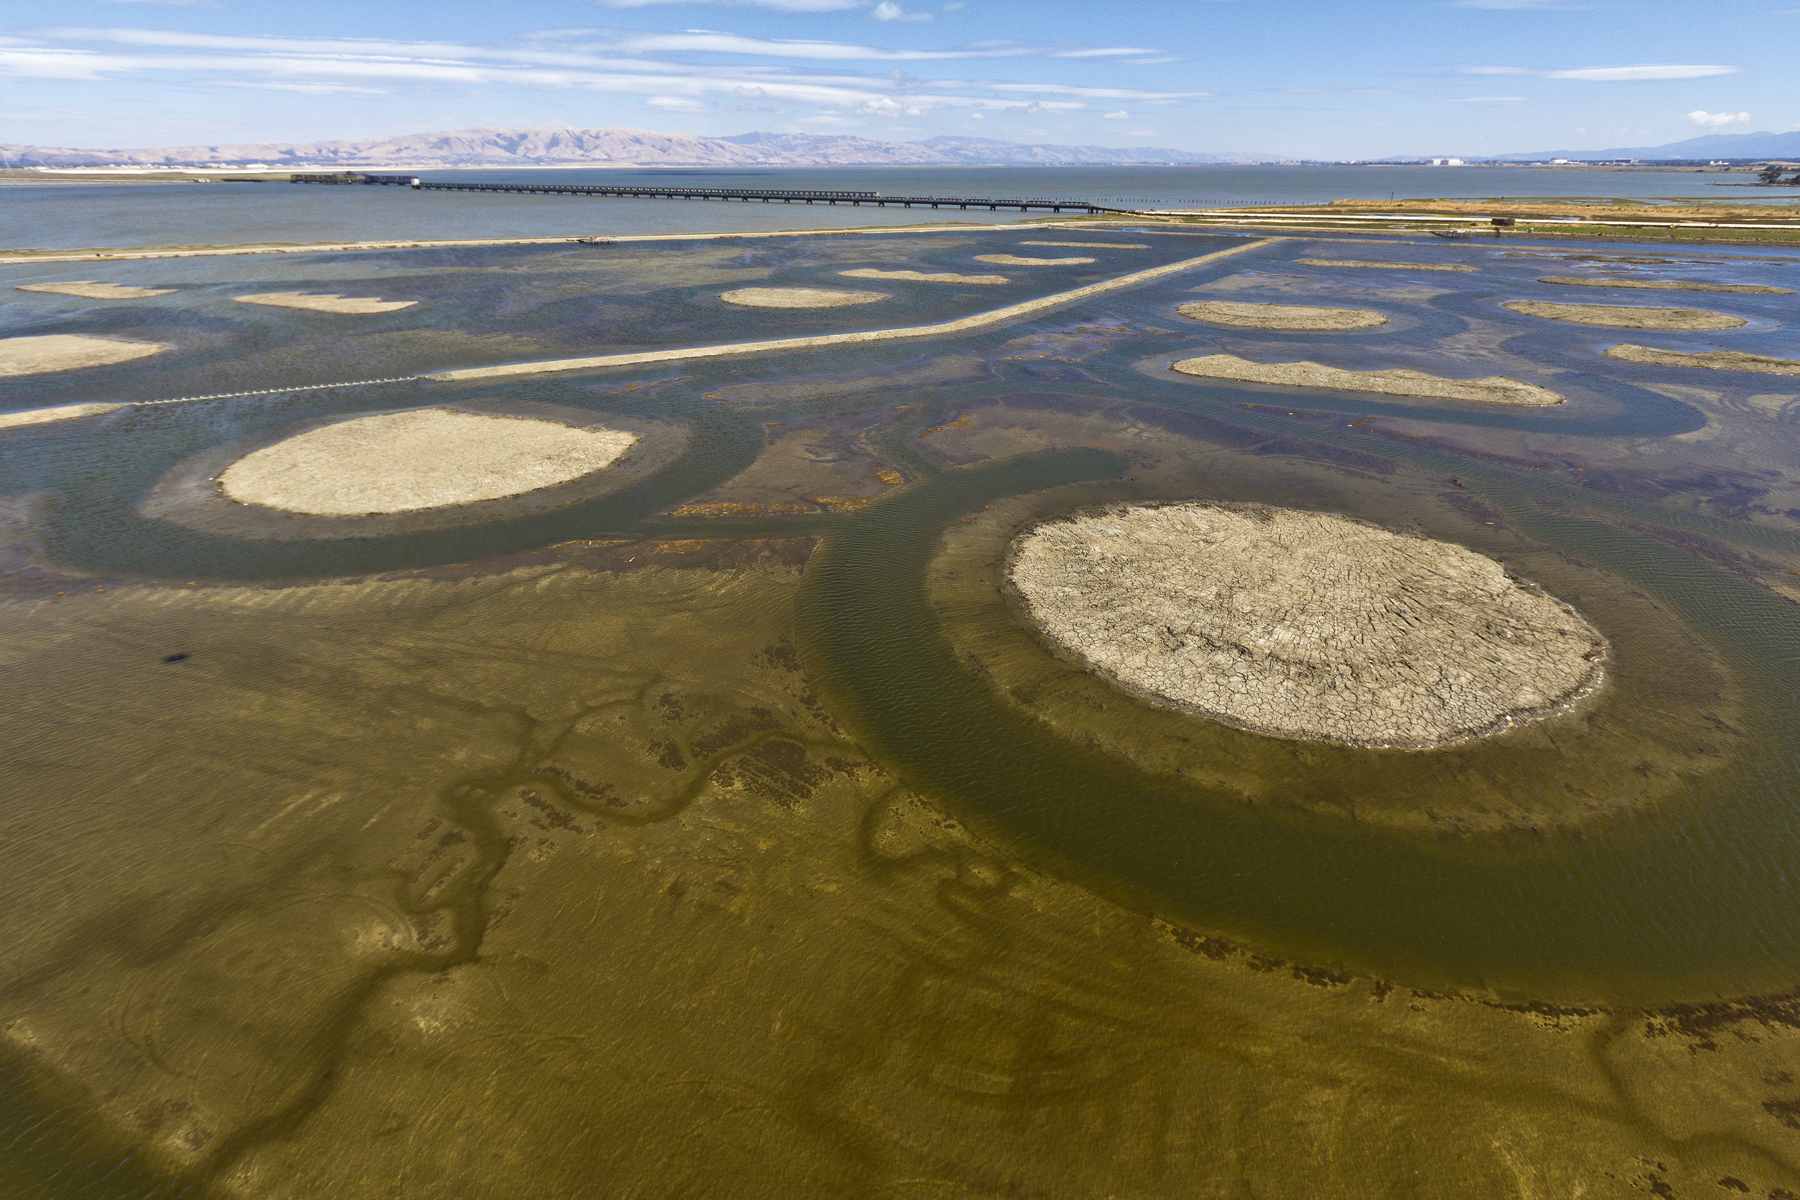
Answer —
645 192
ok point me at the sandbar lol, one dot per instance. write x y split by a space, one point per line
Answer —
62 412
1667 285
67 352
797 298
1717 360
358 305
1303 625
1280 316
923 276
1094 245
87 289
1381 266
1491 389
1013 260
1623 316
425 458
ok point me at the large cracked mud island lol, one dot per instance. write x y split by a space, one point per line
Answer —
1304 625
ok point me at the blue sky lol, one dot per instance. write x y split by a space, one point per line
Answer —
1303 78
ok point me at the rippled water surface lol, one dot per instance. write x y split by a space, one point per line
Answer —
744 794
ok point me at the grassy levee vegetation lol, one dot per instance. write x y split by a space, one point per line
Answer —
1537 217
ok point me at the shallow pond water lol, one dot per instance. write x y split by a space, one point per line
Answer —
385 790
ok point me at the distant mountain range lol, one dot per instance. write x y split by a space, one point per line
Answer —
563 145
1783 147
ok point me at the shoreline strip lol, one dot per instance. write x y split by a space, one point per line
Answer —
992 317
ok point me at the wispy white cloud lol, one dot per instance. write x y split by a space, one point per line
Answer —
1713 120
887 10
1488 99
1121 115
592 60
1630 74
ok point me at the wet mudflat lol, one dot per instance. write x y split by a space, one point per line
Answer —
734 832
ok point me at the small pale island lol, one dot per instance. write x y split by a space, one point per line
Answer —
87 289
68 352
1303 625
1624 316
1279 316
421 459
1013 260
355 305
1381 266
1666 285
1716 360
797 298
62 412
923 276
1490 389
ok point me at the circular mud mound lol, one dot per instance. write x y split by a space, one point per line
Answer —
406 461
1303 625
1624 316
797 298
1279 316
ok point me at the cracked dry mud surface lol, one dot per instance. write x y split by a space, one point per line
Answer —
1304 625
1280 316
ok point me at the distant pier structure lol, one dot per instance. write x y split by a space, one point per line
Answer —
651 192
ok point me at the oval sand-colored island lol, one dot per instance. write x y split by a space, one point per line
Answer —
1625 316
798 298
923 276
1303 625
88 289
1489 389
68 352
361 306
1279 316
1014 260
426 458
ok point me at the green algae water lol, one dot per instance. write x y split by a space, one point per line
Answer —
425 724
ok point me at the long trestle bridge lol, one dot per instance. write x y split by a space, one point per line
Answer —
652 192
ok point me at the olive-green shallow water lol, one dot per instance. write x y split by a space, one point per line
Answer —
685 800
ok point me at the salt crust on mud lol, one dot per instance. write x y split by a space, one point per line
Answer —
357 305
797 298
923 276
1279 316
1621 316
87 289
1491 389
62 412
1718 360
67 352
426 458
1667 285
1304 625
1013 260
1382 266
